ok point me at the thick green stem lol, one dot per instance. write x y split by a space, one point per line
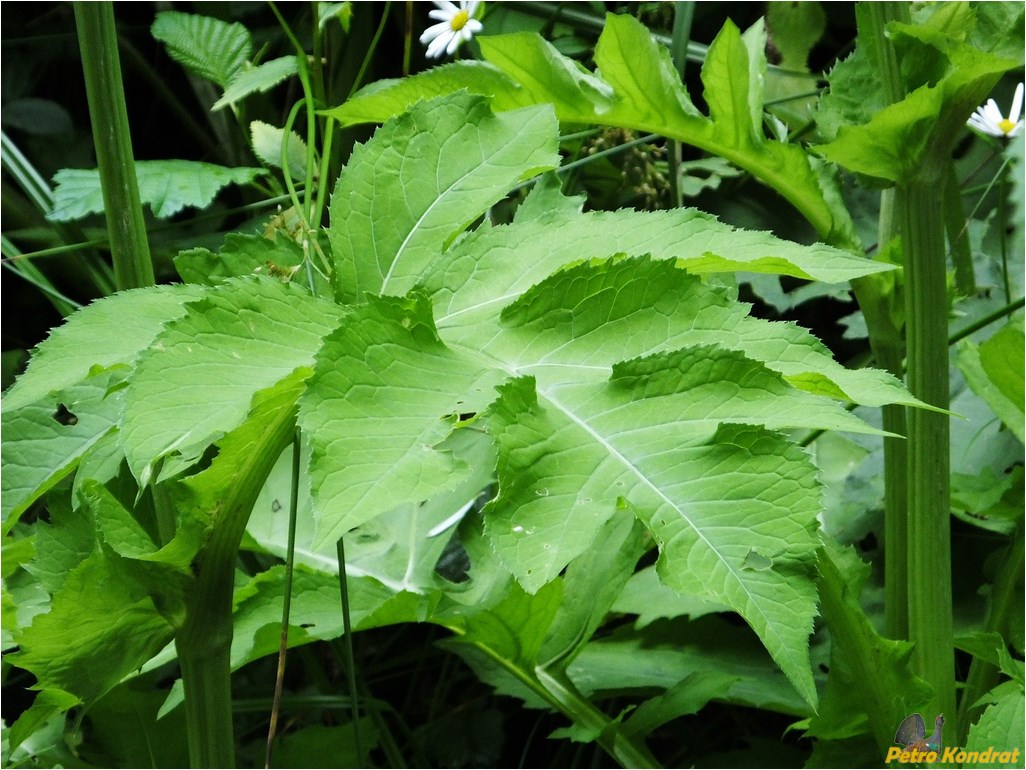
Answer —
929 528
874 18
98 44
204 642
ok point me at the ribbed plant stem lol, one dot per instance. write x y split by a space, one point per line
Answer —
204 642
929 528
98 43
885 337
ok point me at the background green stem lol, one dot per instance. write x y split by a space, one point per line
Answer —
885 339
283 640
98 44
350 657
1004 594
683 15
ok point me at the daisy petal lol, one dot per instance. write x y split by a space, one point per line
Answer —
433 32
438 45
1013 114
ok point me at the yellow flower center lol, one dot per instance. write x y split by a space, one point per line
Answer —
1006 126
459 21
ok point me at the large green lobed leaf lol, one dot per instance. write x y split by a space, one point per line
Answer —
198 377
946 78
103 625
44 441
610 406
110 331
428 174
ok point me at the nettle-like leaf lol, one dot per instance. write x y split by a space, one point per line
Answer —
208 47
241 255
103 624
1001 725
635 85
267 141
167 186
261 77
994 370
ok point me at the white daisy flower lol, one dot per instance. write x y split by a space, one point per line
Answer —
989 119
457 25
